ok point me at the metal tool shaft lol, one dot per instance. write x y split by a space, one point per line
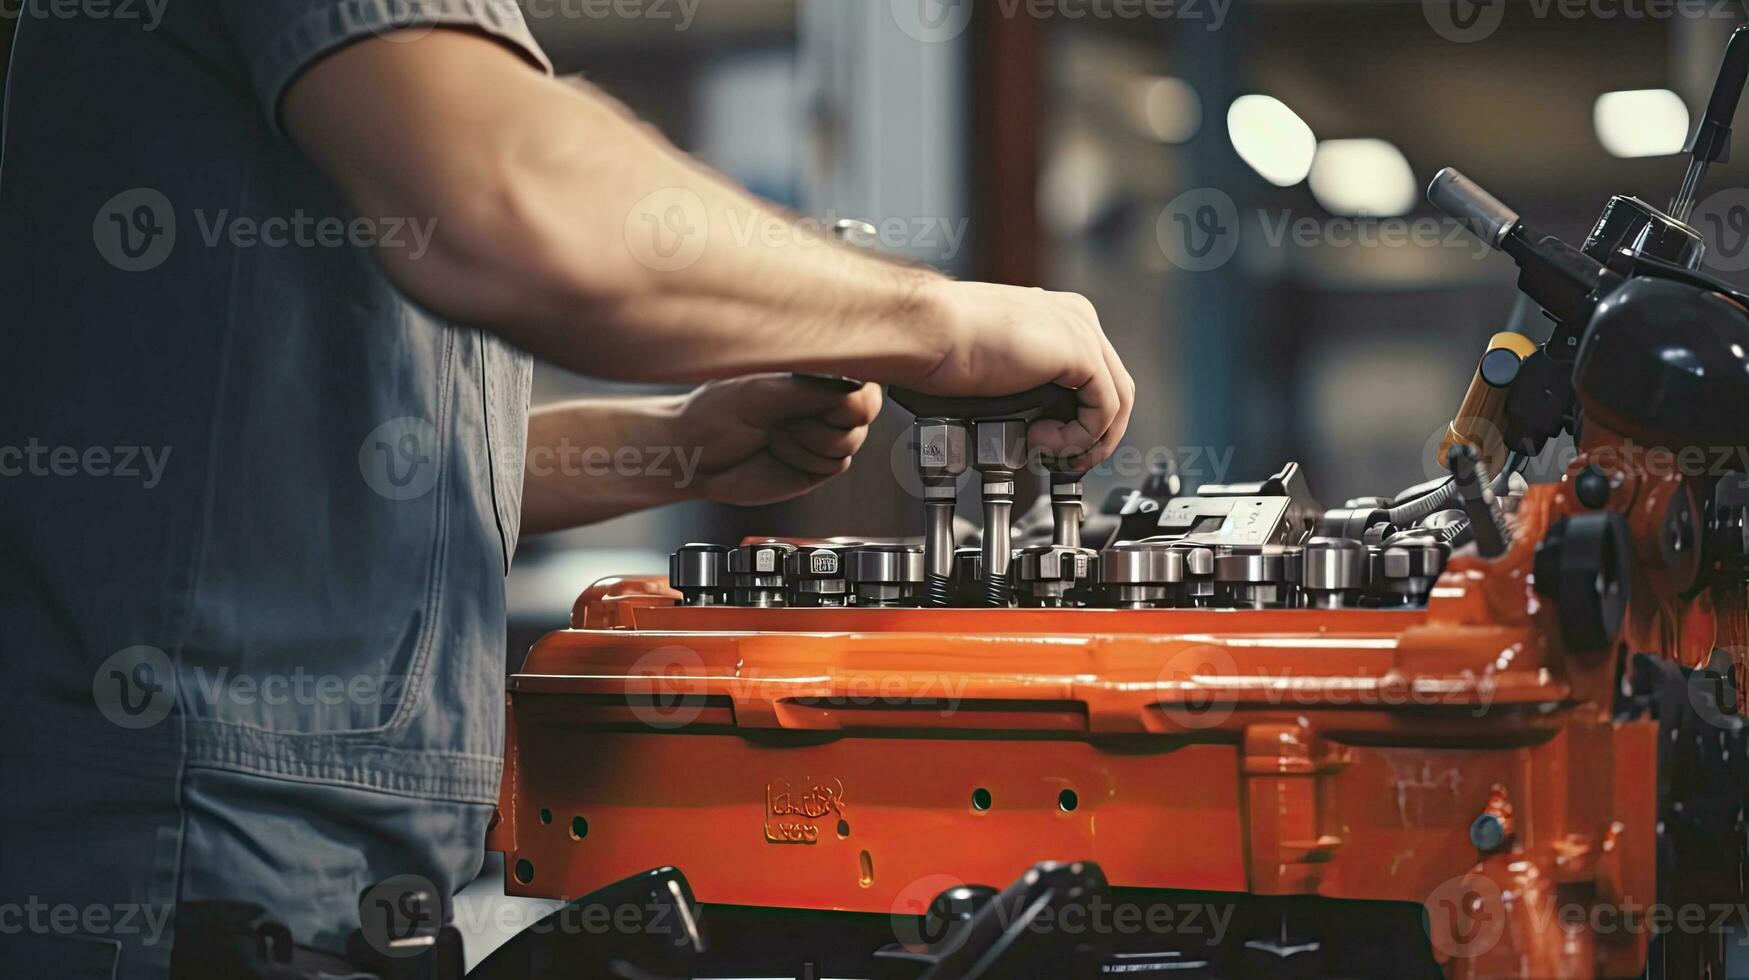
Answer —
1491 538
998 537
1066 495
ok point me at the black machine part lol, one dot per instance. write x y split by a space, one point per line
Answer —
1703 765
566 943
1659 348
1630 224
1044 402
1584 565
1563 280
1491 535
404 935
1651 348
1668 363
994 935
1711 141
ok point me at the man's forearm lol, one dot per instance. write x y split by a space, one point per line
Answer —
579 234
595 460
718 281
750 440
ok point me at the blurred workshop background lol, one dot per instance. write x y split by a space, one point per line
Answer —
1236 185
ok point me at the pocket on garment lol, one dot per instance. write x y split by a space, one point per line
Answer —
508 375
320 591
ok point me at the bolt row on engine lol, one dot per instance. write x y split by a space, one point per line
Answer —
1322 573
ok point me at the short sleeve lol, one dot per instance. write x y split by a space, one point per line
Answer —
277 39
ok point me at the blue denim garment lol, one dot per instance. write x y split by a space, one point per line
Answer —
255 507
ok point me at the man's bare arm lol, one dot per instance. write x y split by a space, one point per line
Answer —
749 440
580 235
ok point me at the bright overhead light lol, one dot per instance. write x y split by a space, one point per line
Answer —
1644 122
1275 142
1165 109
1363 177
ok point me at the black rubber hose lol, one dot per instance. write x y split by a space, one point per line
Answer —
1404 514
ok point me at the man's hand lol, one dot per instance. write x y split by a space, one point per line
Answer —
753 440
1007 339
771 437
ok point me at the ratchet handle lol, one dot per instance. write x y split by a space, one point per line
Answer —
1481 212
1049 401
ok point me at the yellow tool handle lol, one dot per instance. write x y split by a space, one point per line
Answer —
1481 419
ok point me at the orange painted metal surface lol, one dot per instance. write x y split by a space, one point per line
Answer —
836 758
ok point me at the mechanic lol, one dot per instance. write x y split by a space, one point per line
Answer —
341 419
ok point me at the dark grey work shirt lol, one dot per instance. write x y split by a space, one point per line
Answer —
255 506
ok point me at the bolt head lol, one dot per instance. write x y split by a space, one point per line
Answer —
814 563
1001 444
759 559
1592 488
1409 555
940 448
1487 832
1055 563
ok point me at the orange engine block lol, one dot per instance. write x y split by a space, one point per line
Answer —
1455 756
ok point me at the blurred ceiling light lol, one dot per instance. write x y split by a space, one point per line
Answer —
1645 122
1076 186
1271 138
1165 109
1363 177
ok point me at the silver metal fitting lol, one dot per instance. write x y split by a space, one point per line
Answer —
1050 575
1257 576
1142 575
815 576
1404 568
756 574
999 444
941 450
1334 573
885 574
1199 573
699 573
